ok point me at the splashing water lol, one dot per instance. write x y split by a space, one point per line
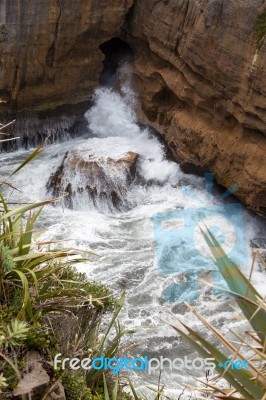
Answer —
125 240
113 116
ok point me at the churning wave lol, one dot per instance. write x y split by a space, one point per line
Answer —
123 237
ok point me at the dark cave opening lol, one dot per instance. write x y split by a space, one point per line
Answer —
117 53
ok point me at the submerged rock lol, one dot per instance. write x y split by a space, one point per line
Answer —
198 66
87 181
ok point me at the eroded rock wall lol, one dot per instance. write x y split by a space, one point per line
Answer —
202 82
198 69
49 49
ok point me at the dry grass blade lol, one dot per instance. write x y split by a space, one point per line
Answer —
6 125
250 346
228 344
9 140
249 383
40 284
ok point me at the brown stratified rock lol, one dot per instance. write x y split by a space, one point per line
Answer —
201 77
36 382
86 180
50 49
198 69
50 62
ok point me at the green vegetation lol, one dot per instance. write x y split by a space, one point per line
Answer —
76 388
251 345
260 27
48 306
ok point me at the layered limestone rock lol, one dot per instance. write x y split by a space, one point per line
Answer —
199 69
49 58
86 180
50 49
201 76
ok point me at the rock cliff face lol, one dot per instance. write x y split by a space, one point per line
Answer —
201 75
49 49
198 68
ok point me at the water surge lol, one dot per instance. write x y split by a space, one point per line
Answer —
124 236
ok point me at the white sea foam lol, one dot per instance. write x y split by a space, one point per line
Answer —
113 116
125 241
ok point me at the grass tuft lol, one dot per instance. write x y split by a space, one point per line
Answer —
247 384
47 305
260 27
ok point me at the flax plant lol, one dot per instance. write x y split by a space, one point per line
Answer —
31 265
251 345
39 287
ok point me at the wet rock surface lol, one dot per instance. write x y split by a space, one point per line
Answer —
86 181
197 67
36 382
50 49
201 77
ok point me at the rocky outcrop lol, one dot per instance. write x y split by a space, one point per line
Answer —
201 76
50 49
36 383
199 69
86 180
50 58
